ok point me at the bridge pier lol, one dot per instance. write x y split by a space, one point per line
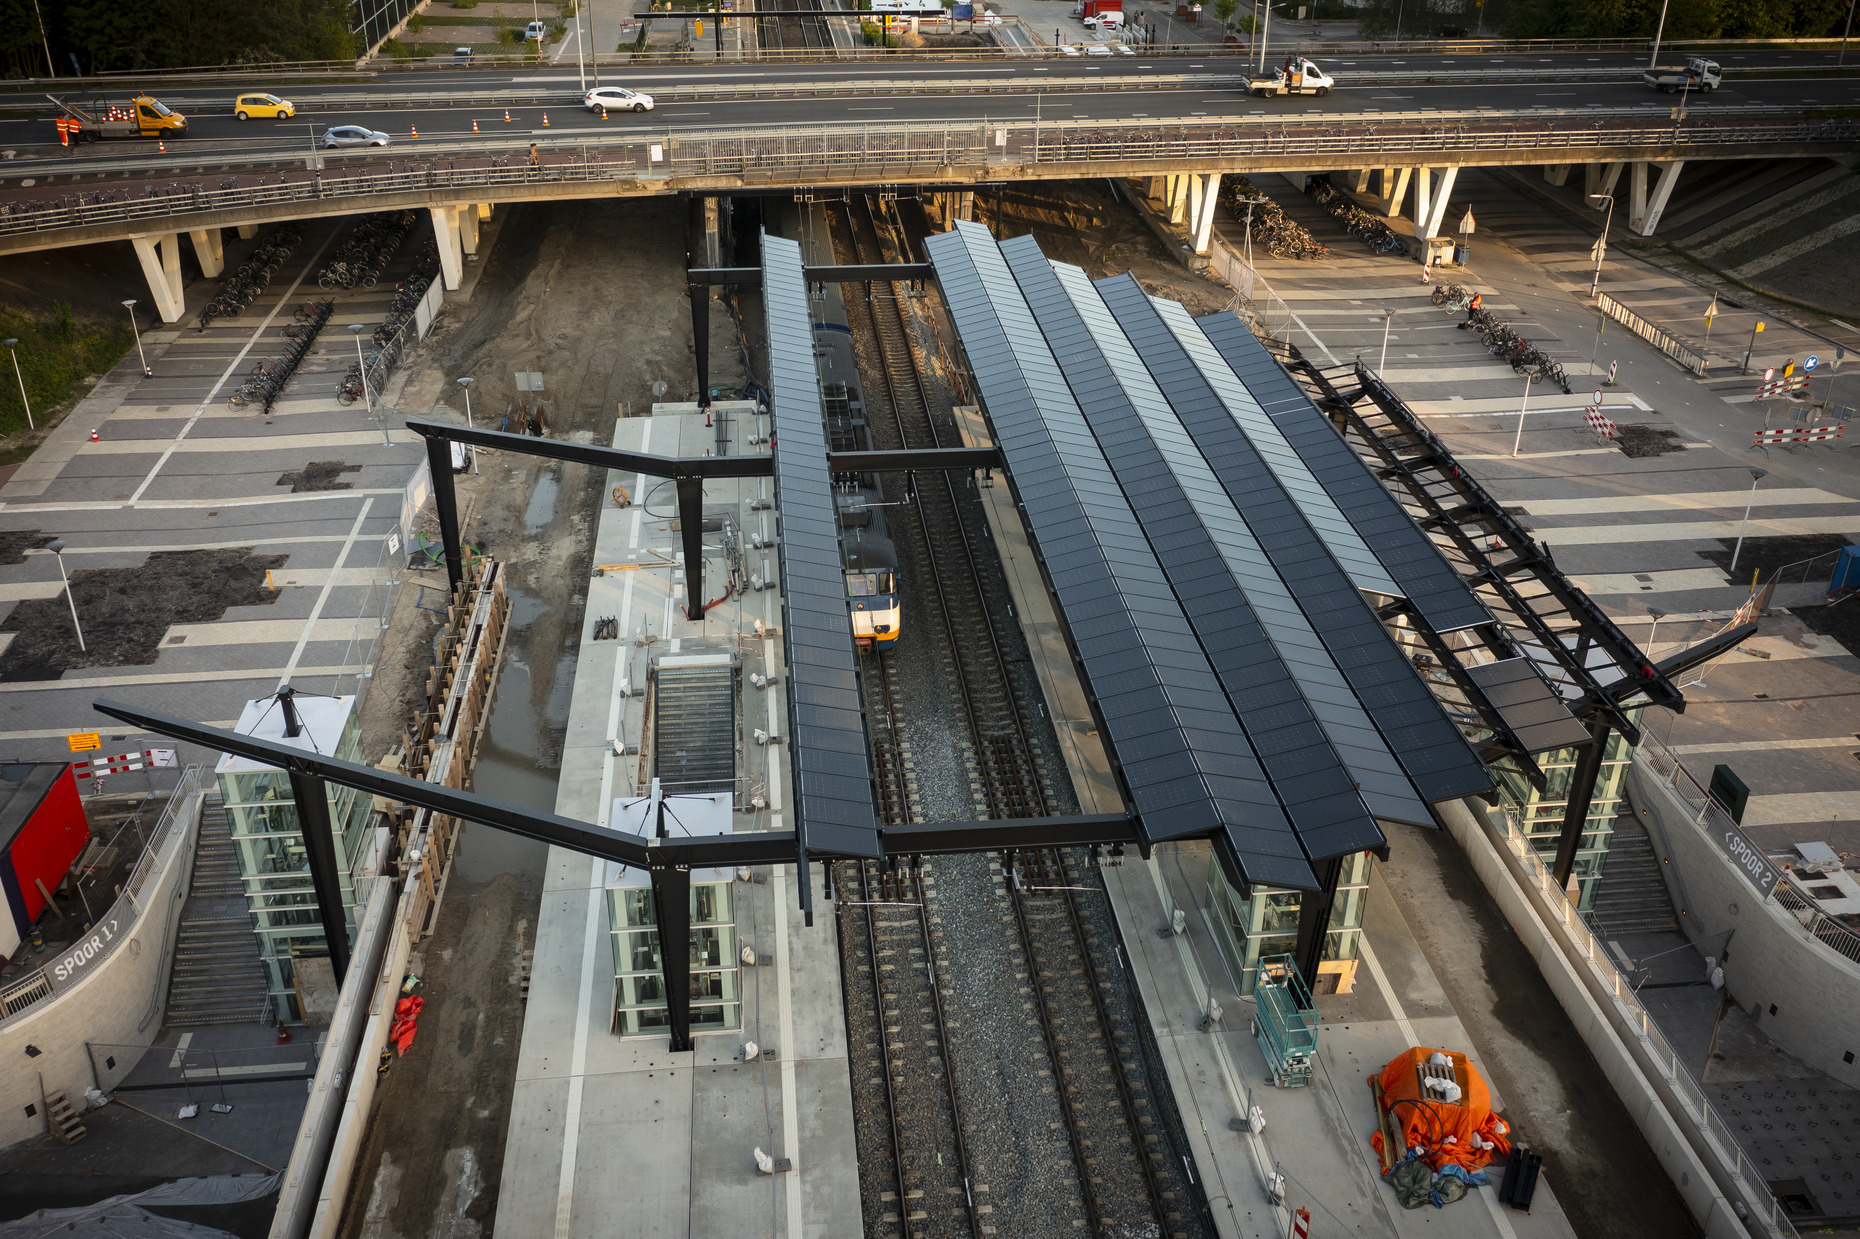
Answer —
1556 173
209 250
1204 194
1178 197
446 234
1600 178
1362 176
161 263
1393 190
468 228
247 231
1644 210
1430 199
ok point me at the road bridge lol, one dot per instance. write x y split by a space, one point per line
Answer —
949 131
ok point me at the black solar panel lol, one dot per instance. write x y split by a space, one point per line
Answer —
1333 788
1528 705
1182 756
1425 577
1430 748
826 725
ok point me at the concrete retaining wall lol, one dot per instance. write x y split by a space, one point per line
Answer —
1770 958
117 1001
1651 1111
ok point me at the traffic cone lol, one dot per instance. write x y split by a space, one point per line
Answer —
94 436
506 116
415 129
603 111
161 147
545 120
474 124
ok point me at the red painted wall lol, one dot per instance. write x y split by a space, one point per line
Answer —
52 839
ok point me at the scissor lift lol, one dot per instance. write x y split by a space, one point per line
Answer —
1287 1021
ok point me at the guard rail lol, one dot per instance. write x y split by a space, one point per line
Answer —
917 152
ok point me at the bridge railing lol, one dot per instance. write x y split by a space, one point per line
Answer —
1655 336
922 151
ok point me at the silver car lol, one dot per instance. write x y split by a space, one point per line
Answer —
353 135
617 99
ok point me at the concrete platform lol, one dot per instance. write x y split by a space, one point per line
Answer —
1318 1136
617 1137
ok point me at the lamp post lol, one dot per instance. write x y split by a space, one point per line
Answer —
1756 475
1388 320
1753 345
1658 615
57 547
1844 33
130 305
1601 246
466 384
1519 438
357 329
12 346
1658 31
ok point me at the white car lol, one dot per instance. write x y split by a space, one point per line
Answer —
617 99
353 135
536 32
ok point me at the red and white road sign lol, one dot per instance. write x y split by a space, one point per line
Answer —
1790 435
1301 1219
122 763
1769 373
1612 366
1600 424
1598 395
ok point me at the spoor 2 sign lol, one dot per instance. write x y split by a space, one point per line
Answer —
1744 855
95 946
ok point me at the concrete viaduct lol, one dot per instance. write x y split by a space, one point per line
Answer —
1408 162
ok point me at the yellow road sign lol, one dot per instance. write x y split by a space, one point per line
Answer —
83 741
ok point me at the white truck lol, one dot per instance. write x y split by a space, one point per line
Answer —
1698 74
1298 76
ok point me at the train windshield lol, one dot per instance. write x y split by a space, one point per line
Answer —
869 584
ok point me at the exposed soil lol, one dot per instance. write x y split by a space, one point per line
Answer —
1764 555
1640 440
14 543
125 611
318 475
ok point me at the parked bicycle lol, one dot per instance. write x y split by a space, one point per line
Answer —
1378 236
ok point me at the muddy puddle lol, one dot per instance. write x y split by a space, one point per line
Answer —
519 760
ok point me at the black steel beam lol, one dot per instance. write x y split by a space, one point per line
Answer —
446 501
906 459
947 838
1581 796
751 277
671 906
312 799
1314 912
1683 661
700 339
691 533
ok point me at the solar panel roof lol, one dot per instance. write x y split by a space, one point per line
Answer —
826 724
1184 760
1421 572
1329 766
1191 376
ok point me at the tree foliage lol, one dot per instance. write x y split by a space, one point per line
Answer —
1605 19
156 34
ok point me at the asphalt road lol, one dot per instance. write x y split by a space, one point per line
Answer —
224 141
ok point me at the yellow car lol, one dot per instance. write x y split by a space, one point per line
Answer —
248 106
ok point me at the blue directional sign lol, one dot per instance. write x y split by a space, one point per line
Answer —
1811 363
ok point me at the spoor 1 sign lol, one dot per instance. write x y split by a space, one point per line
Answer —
94 946
1744 855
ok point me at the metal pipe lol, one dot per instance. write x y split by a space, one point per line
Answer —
129 304
1756 475
57 547
12 347
1518 439
1654 60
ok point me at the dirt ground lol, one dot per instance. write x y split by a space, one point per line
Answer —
589 294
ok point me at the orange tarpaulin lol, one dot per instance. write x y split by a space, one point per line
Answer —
1463 1132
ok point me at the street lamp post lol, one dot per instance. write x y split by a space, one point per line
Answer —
1844 33
1654 61
1748 352
12 346
130 305
57 547
466 384
357 329
1519 438
1756 475
1388 320
1601 246
1658 615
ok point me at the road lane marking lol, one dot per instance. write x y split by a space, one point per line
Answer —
180 1050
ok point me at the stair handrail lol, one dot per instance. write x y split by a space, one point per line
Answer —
30 989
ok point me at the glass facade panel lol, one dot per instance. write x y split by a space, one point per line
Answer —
1540 814
639 986
1267 924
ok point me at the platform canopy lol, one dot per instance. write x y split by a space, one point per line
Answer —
1217 572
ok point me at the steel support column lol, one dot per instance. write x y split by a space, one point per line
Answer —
700 339
691 527
312 799
1314 911
446 501
671 904
1581 795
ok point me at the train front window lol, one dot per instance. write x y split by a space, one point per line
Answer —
868 584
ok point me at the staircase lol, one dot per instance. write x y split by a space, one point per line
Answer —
217 977
1631 897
